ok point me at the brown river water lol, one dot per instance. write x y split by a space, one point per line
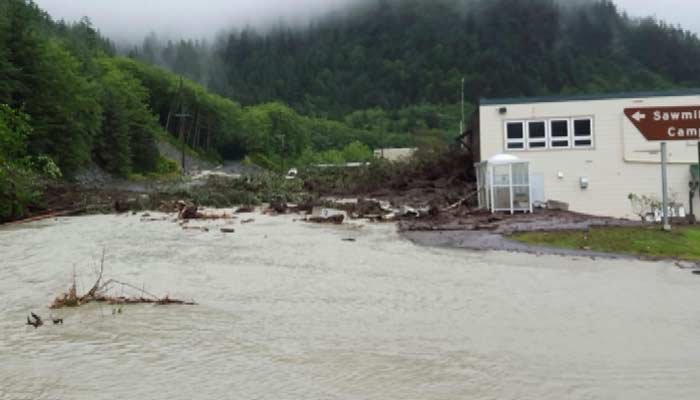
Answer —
289 310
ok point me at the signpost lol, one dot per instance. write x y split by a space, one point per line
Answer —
667 124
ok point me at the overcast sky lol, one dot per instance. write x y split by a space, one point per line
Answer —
134 19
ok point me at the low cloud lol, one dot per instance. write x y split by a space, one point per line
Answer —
675 12
131 20
134 19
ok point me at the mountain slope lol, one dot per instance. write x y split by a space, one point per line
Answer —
393 54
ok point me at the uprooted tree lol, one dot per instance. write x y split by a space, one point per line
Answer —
100 292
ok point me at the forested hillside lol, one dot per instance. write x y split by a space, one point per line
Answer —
388 55
67 101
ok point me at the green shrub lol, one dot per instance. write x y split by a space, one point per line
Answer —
18 191
19 173
166 166
268 162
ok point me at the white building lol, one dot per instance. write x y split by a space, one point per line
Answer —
584 151
395 154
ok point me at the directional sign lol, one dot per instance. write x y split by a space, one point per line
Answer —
666 123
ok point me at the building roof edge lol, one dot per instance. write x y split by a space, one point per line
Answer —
588 97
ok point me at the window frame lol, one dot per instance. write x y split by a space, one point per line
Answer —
544 140
508 140
574 137
553 138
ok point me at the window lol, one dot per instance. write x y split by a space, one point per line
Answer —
537 135
515 136
553 134
583 132
559 133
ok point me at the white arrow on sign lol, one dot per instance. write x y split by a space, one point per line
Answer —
639 116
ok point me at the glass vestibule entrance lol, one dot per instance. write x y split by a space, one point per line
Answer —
503 184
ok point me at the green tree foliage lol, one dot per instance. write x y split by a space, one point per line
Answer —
45 81
65 113
273 132
82 106
14 131
17 180
357 152
352 153
7 69
275 129
213 122
129 129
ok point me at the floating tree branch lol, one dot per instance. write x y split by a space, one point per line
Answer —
99 293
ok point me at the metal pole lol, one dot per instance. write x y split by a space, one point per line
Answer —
664 185
512 201
695 188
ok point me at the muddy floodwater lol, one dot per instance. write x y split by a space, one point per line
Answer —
289 310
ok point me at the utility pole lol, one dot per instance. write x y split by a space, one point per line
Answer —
284 152
181 115
461 124
183 143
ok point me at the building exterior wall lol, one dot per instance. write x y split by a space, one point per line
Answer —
395 154
620 162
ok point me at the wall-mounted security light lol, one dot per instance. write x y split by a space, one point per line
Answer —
502 110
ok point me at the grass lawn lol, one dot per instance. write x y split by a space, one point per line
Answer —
681 243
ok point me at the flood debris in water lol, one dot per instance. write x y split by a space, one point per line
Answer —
279 206
321 215
34 320
148 218
101 293
187 211
334 219
245 210
195 228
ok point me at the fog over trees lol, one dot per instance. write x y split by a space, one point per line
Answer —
176 19
393 54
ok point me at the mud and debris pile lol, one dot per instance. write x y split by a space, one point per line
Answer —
429 179
505 224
